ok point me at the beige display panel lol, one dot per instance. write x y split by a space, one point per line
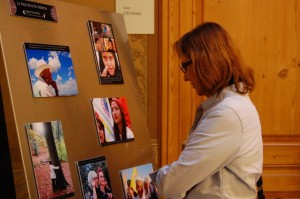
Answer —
74 112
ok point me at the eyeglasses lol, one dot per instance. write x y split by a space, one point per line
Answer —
184 65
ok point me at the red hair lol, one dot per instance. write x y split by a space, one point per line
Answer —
121 102
216 61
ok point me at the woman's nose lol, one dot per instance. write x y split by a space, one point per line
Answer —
110 62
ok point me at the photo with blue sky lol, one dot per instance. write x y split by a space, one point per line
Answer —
130 175
59 57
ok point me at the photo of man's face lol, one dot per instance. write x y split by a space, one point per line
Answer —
47 75
50 70
105 52
109 62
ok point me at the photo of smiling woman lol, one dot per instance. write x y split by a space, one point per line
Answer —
122 125
112 120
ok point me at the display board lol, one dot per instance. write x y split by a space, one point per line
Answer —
35 120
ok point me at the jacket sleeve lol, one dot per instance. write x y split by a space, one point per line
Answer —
213 144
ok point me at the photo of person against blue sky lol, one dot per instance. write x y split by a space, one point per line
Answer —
51 70
137 182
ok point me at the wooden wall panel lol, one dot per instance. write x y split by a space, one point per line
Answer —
282 182
170 76
178 109
267 33
281 166
184 103
282 153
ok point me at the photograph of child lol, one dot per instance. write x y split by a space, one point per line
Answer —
49 159
137 184
105 51
112 120
51 70
94 179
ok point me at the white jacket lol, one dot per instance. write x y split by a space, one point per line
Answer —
223 156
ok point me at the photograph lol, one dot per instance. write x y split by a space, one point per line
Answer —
137 184
112 121
49 159
105 52
94 178
51 70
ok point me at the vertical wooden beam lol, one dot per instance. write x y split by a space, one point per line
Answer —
178 98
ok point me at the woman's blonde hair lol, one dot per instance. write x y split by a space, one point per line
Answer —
91 175
215 59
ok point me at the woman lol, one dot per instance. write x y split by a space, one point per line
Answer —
110 45
121 129
100 128
223 155
103 192
53 175
99 44
92 182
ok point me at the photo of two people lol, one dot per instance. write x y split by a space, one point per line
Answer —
112 120
94 178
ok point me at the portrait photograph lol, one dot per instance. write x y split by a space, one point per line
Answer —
112 121
137 183
51 70
105 52
49 159
94 178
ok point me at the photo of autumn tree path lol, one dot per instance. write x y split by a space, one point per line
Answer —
47 146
